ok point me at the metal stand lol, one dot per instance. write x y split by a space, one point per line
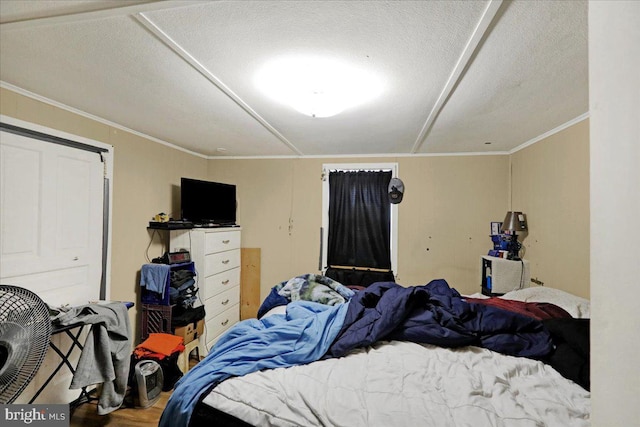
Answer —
85 396
64 361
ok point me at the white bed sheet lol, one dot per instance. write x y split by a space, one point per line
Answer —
407 384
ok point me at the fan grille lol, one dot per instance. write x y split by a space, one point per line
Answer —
25 330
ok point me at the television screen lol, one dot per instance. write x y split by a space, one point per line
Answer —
207 202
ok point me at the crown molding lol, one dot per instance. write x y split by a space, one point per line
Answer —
89 116
65 107
553 131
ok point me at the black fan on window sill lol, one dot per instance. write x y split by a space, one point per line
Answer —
25 330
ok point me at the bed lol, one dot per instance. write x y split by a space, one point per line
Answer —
312 364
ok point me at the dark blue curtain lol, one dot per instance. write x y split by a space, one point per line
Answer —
359 219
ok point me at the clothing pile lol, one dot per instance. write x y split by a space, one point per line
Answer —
158 346
182 288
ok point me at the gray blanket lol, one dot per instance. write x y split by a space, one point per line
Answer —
316 288
106 354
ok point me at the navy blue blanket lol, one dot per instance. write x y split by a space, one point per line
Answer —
436 314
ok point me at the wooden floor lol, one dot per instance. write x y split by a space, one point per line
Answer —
86 414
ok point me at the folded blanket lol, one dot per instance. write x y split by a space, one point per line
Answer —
166 344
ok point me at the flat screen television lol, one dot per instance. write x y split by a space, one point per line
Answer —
207 202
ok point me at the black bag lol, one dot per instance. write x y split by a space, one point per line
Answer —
181 316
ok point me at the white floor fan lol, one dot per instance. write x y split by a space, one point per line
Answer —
25 330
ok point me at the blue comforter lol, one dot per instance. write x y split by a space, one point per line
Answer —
301 336
436 314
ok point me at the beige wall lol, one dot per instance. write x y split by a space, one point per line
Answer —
550 183
146 176
443 219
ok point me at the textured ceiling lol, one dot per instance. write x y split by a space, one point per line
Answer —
457 74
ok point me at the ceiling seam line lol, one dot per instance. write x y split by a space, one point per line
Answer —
196 65
456 74
67 18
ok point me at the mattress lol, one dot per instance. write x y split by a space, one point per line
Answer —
406 384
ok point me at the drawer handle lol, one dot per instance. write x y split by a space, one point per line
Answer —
226 261
224 323
226 241
225 282
225 302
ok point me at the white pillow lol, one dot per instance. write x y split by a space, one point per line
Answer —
576 306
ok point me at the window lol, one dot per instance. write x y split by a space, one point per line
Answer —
360 235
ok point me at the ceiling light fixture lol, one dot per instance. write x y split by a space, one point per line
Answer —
317 87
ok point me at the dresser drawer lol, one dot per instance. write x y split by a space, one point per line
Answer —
222 302
217 283
221 322
222 241
222 261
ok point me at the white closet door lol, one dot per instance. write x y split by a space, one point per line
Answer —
51 218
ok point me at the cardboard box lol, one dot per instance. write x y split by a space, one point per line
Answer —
190 331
